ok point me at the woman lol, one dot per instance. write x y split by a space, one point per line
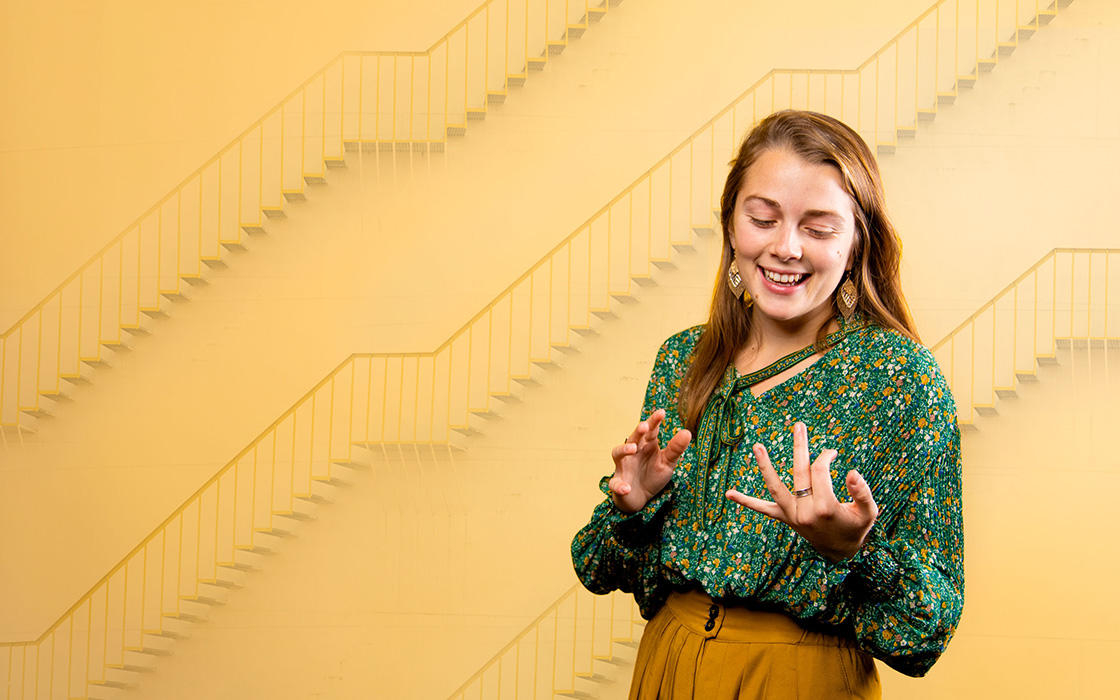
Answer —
759 575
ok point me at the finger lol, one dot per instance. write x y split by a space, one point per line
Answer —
619 486
821 475
677 445
620 451
767 508
862 498
774 484
654 422
801 478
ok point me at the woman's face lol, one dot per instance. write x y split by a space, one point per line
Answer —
793 231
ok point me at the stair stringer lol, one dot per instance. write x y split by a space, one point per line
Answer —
209 218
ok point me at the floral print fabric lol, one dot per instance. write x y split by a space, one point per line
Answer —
877 398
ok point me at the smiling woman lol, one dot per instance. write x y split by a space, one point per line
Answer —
762 582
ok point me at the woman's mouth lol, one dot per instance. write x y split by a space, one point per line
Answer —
784 279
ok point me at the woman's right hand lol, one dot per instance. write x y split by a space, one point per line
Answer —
641 467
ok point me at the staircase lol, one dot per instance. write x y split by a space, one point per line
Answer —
359 101
373 405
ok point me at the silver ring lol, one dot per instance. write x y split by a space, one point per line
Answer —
802 493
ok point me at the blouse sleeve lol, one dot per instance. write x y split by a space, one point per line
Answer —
903 592
618 551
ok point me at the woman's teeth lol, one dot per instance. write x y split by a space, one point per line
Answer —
783 278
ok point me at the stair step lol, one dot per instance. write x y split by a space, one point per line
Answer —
605 314
1044 16
339 475
175 296
173 628
927 115
320 492
96 363
209 594
135 329
153 645
946 98
624 297
457 130
335 163
526 381
507 398
1006 48
537 62
986 410
133 661
467 430
57 395
966 426
195 280
515 80
233 246
546 363
1025 32
664 264
985 65
189 611
906 132
475 113
575 31
314 180
1026 377
566 348
36 412
1007 393
495 97
1047 360
966 82
556 48
77 378
486 414
585 331
253 229
704 229
294 195
116 345
244 560
215 263
272 213
885 149
227 577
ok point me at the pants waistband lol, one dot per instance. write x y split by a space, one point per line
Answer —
711 618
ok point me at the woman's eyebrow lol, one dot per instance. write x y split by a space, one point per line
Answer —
758 198
824 214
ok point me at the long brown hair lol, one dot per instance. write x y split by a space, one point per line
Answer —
821 140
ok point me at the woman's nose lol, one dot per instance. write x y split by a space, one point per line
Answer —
787 246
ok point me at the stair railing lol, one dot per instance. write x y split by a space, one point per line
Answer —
360 100
556 650
389 401
1064 299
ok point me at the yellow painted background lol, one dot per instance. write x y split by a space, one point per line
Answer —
107 107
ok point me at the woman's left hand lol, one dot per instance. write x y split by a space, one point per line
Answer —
837 530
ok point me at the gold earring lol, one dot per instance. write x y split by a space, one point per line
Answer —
735 280
847 298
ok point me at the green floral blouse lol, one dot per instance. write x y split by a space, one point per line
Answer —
880 400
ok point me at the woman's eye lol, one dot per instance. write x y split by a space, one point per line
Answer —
819 233
762 223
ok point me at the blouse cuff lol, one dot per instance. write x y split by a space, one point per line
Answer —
637 518
875 568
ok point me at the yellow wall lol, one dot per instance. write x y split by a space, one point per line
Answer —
400 249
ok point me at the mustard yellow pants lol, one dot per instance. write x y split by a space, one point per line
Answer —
697 648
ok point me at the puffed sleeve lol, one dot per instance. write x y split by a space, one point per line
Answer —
903 592
619 551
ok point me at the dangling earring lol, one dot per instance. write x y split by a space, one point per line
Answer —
735 280
847 297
